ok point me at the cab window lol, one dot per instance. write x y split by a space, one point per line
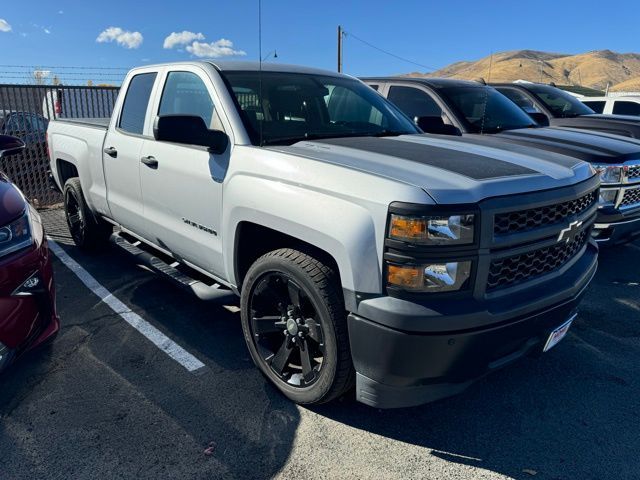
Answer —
185 93
414 102
621 107
134 109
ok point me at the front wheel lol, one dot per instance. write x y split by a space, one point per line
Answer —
294 323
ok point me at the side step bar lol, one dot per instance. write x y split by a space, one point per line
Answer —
214 292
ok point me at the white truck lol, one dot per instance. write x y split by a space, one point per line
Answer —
364 252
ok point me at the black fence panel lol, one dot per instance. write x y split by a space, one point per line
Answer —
25 112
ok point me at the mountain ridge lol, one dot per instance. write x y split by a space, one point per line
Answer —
595 69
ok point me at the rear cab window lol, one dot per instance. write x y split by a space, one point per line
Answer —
623 107
136 101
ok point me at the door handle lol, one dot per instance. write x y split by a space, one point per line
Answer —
150 162
111 151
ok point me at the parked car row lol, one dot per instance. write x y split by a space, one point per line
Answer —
365 252
473 110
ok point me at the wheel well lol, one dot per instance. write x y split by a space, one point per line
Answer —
253 241
66 170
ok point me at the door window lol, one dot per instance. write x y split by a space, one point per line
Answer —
596 106
186 94
519 99
626 108
134 110
414 102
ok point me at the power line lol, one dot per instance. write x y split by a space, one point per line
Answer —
390 53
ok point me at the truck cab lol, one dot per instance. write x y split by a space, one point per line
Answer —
365 253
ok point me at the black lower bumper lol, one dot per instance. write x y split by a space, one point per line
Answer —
400 368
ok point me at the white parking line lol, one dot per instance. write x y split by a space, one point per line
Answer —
156 337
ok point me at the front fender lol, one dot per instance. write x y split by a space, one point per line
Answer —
350 232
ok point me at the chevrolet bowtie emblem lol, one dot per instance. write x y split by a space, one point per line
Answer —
570 233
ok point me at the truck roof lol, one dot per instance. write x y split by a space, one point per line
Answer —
250 66
434 82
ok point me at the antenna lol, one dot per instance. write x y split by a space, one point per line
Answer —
340 34
260 68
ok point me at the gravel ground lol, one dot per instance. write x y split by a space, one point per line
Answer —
103 402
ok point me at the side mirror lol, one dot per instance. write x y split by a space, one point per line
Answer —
436 125
189 130
540 118
10 145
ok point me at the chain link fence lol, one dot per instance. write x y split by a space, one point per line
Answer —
25 112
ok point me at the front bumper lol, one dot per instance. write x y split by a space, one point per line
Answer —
401 361
615 227
27 318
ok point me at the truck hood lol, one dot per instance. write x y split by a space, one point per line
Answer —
593 147
624 125
12 203
450 170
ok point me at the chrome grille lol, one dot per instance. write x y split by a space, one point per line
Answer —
509 271
523 220
634 172
630 198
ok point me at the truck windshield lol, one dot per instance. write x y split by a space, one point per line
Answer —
485 110
560 103
285 108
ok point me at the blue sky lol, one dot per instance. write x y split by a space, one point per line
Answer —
434 34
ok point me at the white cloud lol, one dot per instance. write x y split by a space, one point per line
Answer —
60 12
217 49
46 30
181 38
121 37
4 25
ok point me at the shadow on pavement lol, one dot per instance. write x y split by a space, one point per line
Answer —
572 413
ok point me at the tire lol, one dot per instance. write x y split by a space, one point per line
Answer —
317 309
87 231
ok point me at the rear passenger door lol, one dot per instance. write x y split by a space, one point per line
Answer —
182 187
121 153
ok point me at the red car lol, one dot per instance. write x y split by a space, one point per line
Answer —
27 298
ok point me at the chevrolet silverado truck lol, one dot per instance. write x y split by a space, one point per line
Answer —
561 109
364 253
481 113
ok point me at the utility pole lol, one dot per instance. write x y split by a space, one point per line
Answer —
339 48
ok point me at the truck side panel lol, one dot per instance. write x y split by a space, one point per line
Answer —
80 145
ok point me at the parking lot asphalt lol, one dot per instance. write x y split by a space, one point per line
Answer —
102 401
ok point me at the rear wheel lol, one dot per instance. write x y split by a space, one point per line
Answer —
294 322
87 231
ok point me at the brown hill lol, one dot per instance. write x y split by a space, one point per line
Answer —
592 69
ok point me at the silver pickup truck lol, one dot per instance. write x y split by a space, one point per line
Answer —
365 253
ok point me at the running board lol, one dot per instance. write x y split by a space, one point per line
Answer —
214 292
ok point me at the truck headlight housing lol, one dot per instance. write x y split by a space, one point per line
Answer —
433 230
609 173
430 277
16 235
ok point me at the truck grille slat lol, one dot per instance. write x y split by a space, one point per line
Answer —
631 197
634 172
523 220
506 272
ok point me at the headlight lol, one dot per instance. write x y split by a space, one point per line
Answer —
431 277
609 173
16 235
608 197
433 230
